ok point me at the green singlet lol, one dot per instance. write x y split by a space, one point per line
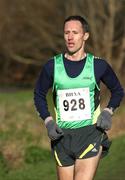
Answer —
75 106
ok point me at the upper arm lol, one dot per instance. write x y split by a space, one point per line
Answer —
110 79
45 79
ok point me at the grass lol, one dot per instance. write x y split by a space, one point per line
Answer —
24 145
112 166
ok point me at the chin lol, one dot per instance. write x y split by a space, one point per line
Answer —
71 51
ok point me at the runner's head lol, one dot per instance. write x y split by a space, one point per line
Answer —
81 19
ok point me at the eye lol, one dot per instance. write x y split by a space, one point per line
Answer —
75 32
66 32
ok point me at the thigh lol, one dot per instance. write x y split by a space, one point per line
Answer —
62 153
65 173
85 169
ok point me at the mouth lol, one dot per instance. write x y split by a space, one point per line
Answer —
70 44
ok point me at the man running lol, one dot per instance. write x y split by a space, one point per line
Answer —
78 135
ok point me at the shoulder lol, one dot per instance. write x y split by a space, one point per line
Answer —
49 64
100 62
48 67
101 66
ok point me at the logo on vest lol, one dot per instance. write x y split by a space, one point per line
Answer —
87 78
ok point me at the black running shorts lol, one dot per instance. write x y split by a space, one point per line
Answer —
79 143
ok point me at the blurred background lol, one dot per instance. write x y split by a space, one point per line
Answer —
31 32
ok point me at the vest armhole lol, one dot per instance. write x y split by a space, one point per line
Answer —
94 75
58 56
54 74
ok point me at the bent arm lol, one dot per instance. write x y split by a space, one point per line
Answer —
43 84
113 84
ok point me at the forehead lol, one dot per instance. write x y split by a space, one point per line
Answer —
73 24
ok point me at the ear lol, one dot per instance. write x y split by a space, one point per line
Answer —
86 36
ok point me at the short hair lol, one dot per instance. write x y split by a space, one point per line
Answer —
81 19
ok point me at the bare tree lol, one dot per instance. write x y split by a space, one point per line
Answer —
106 19
32 31
29 32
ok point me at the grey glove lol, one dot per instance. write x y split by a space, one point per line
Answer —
54 132
104 120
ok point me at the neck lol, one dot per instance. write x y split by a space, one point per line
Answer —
75 56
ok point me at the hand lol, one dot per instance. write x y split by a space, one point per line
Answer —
54 132
104 120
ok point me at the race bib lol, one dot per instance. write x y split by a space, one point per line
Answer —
74 104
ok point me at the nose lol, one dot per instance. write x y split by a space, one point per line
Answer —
70 36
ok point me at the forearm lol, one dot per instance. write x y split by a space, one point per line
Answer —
113 84
41 105
116 97
44 83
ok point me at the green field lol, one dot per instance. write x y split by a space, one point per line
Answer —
24 145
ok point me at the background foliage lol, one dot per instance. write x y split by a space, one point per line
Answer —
24 145
32 31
